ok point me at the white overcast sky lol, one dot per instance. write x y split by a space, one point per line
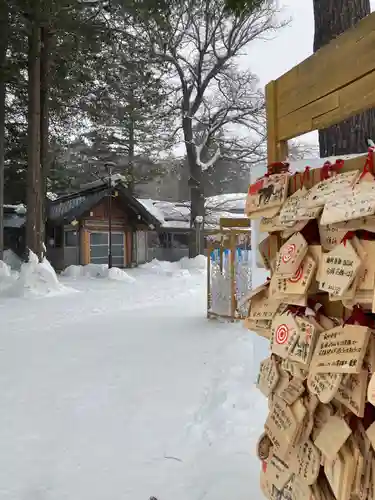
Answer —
270 59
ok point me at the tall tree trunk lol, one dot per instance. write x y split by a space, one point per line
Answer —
3 50
131 136
34 186
44 121
333 17
131 149
195 185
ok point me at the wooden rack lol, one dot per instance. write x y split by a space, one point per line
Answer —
222 250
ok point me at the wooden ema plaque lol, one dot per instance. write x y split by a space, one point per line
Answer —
294 369
284 334
325 190
332 437
290 256
339 268
352 393
367 275
305 462
281 426
360 202
270 225
268 377
268 249
331 236
278 471
341 350
297 284
302 349
268 193
288 212
324 385
293 390
260 327
264 447
262 308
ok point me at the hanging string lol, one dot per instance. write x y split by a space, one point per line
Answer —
369 163
358 317
349 236
306 176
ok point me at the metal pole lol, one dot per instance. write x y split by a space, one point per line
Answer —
109 170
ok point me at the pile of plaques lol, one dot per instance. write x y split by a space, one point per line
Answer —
316 311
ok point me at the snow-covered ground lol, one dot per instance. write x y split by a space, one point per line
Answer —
119 389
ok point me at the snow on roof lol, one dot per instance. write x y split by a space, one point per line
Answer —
232 202
19 209
176 215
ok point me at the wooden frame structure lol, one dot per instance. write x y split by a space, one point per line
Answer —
225 243
335 83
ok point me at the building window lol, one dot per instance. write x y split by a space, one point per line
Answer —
71 238
180 240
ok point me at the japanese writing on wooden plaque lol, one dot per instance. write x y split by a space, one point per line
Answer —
339 268
359 203
319 194
324 385
292 391
298 284
282 420
263 308
352 394
341 350
305 462
303 348
331 236
288 212
268 376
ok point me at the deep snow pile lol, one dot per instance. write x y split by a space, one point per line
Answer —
118 395
12 260
35 279
182 267
97 271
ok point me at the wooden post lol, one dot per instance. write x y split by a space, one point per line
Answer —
232 247
209 250
276 150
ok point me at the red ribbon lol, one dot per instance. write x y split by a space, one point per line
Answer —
329 169
296 310
369 163
358 317
278 167
349 236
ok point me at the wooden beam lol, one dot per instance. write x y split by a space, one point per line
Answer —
329 110
347 58
276 150
228 222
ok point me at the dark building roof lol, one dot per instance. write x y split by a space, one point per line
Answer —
67 208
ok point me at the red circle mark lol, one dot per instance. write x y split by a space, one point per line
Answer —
288 253
298 275
282 334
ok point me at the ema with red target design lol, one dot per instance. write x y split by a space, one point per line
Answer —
289 252
282 334
297 276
